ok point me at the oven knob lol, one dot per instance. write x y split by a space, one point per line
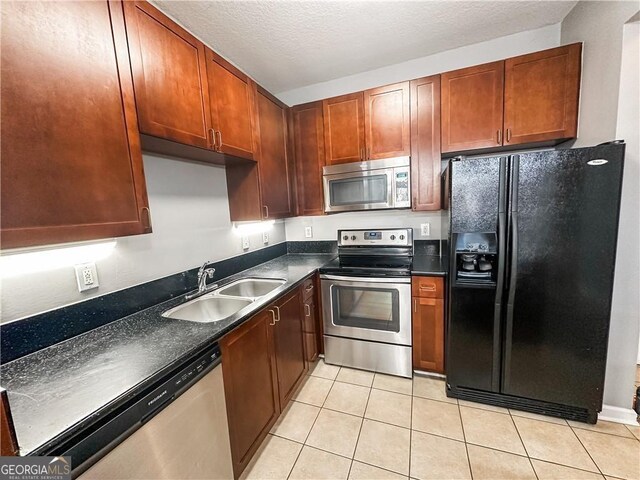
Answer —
401 237
392 237
353 237
346 237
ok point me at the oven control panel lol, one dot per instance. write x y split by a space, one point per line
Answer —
396 237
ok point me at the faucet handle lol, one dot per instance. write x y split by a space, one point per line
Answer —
210 271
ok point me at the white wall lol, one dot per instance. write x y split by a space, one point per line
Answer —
599 25
489 51
609 109
190 214
325 227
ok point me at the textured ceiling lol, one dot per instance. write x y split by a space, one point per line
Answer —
286 44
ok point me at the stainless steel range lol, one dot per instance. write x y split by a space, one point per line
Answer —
366 301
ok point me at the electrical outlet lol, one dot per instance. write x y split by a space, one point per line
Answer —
308 232
425 229
265 237
245 243
86 276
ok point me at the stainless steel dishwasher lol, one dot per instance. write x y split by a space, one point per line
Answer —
178 430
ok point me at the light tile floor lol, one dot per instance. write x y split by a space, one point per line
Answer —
349 424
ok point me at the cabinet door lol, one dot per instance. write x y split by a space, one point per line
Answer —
308 138
232 97
472 100
310 320
250 381
70 152
387 122
344 128
428 334
169 76
541 95
425 143
273 164
289 345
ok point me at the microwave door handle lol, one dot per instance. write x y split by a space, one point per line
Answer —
391 188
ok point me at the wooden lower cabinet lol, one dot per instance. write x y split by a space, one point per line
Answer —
311 325
263 362
289 345
250 385
428 324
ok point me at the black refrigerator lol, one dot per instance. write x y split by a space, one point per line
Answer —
532 251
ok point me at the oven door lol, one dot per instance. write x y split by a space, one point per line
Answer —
376 309
363 190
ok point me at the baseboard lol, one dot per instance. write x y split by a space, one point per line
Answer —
610 413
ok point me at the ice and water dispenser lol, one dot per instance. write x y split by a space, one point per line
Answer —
476 257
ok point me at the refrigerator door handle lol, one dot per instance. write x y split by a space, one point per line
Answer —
513 267
502 256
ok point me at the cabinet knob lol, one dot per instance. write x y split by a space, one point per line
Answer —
273 316
499 137
278 311
212 132
266 211
219 140
508 135
307 310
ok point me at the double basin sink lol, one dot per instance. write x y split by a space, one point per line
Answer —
225 301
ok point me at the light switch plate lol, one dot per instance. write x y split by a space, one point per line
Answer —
425 229
308 232
86 276
265 237
245 243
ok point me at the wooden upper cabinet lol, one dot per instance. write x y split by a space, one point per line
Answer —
232 99
425 143
472 100
273 163
344 128
387 122
308 137
169 76
541 95
70 151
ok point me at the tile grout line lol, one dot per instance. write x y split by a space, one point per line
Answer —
360 431
513 422
314 422
607 433
464 437
411 428
586 450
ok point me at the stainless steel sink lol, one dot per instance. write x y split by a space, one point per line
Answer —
207 309
250 287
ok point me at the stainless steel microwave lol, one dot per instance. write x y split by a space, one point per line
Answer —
371 185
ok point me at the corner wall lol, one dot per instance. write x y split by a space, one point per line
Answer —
610 109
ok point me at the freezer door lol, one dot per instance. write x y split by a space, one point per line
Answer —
563 225
478 204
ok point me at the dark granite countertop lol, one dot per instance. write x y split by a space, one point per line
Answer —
57 391
429 265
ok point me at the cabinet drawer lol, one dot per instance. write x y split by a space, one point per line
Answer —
308 287
427 287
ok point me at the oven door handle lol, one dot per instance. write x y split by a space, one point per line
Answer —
340 278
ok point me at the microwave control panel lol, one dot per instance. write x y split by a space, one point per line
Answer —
401 180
